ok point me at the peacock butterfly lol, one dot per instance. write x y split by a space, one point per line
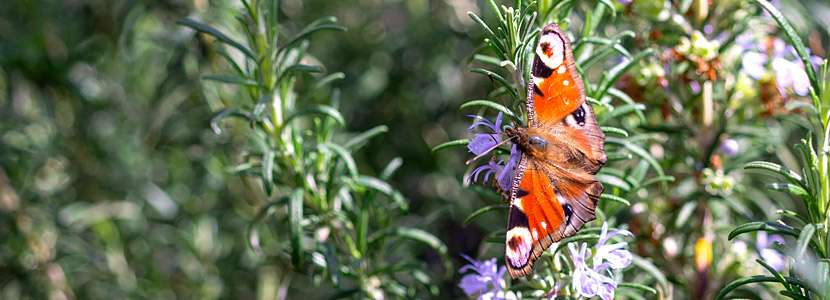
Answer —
553 192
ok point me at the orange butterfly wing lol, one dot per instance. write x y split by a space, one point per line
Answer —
556 93
541 213
555 90
555 195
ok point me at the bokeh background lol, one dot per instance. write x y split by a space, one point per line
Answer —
113 185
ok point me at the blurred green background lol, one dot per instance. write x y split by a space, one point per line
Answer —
113 185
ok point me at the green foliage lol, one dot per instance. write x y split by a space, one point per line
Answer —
810 270
110 185
341 226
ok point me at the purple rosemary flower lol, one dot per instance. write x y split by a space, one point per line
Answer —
616 256
789 73
770 256
745 40
753 64
506 176
592 281
492 167
487 284
486 141
695 86
730 147
588 281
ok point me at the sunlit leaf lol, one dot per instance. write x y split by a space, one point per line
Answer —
361 139
489 104
317 109
455 143
216 33
296 219
754 279
344 155
483 210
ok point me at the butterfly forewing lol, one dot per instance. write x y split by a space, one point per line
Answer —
556 93
585 134
555 89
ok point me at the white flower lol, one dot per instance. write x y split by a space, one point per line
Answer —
592 281
616 256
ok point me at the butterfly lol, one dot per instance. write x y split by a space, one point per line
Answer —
553 192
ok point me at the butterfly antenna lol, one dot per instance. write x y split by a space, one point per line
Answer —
493 81
487 151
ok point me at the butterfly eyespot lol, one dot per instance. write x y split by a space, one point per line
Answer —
539 143
514 242
546 49
519 246
579 115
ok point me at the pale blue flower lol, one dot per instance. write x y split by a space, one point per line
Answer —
615 254
506 176
593 281
484 141
588 281
492 167
791 74
788 73
488 281
745 40
772 257
730 147
695 86
753 64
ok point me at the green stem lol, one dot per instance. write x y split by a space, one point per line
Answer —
824 196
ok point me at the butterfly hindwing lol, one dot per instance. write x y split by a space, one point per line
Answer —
543 210
534 217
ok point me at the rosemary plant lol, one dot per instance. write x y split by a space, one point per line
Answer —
321 218
808 275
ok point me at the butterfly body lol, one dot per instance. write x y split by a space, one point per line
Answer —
553 193
553 145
